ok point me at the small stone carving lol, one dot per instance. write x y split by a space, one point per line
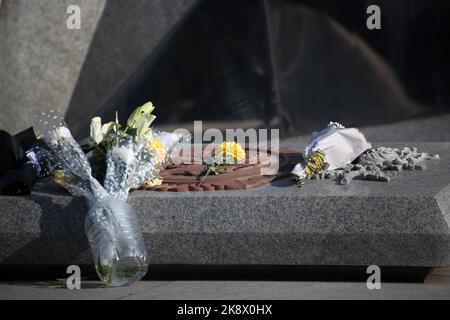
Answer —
379 164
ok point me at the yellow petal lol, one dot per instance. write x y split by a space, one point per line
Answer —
230 149
142 111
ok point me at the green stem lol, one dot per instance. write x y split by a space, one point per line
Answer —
99 149
208 171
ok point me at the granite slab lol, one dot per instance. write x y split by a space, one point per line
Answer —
401 223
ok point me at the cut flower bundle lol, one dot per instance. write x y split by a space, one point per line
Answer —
132 155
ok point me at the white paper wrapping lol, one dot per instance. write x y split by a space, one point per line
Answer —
341 146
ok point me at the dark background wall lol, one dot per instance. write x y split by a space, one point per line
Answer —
296 65
286 64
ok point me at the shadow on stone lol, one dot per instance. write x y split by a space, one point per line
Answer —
125 35
283 183
59 224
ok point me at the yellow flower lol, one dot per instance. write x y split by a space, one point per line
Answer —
61 178
316 163
155 181
158 149
230 149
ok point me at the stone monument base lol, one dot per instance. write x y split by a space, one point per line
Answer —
403 223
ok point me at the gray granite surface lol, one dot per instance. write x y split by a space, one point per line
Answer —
40 58
401 223
44 65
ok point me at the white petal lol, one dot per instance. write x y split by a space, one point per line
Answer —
107 127
96 130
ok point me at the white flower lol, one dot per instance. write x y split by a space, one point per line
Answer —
62 133
99 132
123 154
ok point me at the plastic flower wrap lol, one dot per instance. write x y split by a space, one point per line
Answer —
132 164
111 226
133 157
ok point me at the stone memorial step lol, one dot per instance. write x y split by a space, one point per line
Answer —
403 223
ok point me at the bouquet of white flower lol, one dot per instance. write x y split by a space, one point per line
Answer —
134 156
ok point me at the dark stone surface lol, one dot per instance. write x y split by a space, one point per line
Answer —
44 66
400 223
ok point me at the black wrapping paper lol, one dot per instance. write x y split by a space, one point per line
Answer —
17 174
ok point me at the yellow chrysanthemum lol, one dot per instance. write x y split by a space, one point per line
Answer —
61 178
230 149
316 163
158 148
155 182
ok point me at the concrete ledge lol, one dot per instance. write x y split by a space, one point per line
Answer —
401 223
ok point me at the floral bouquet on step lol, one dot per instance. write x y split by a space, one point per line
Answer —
132 155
